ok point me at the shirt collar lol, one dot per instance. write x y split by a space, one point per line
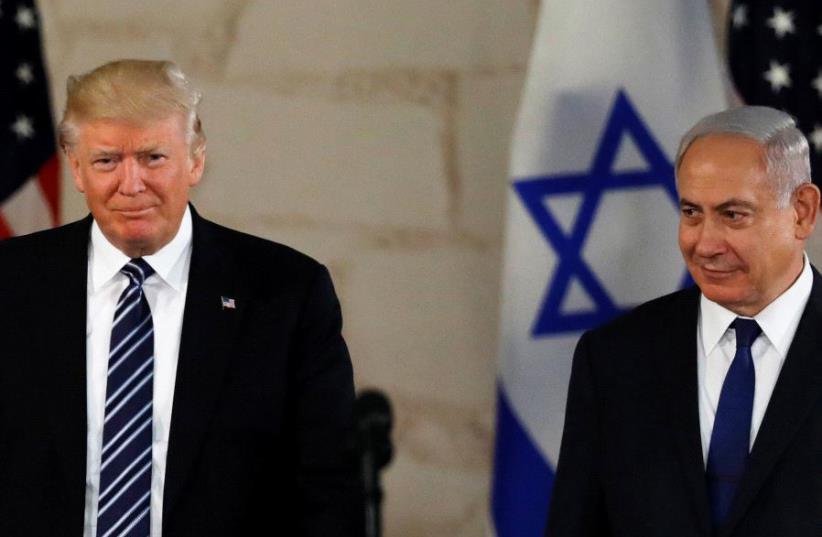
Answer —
106 260
778 319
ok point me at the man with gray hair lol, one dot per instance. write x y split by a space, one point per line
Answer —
163 375
700 413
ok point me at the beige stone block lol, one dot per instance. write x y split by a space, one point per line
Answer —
333 246
200 32
487 109
433 432
334 34
424 322
438 483
146 14
322 162
434 501
51 32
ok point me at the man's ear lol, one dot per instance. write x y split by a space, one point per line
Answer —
74 166
197 163
806 206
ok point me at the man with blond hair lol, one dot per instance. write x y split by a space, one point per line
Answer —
160 374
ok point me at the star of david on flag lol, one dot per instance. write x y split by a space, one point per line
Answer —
592 184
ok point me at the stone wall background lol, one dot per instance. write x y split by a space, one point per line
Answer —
374 136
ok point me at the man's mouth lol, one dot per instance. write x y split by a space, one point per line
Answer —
715 272
137 211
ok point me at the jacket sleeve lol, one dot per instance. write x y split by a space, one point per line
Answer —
327 481
577 501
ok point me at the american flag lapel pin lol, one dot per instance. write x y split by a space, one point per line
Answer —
228 303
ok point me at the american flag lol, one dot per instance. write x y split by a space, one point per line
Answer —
29 176
775 60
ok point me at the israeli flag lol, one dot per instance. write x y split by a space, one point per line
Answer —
592 209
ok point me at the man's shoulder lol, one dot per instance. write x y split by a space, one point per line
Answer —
253 254
44 245
650 317
626 348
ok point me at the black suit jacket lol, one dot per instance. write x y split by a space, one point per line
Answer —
631 463
262 402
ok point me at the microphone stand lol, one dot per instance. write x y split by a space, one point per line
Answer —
373 496
373 423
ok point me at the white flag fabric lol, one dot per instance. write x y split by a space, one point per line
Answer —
592 209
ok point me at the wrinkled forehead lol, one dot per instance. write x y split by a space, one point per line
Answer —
719 155
117 131
724 165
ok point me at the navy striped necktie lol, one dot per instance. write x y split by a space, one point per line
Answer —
731 436
124 500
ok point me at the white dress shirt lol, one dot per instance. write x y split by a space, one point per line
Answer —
716 346
165 291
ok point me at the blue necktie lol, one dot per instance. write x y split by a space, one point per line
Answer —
124 499
731 436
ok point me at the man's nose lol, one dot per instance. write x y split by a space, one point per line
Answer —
710 240
132 180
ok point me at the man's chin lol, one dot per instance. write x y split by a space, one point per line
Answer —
736 299
135 240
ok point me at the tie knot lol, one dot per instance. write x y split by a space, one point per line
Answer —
746 332
137 270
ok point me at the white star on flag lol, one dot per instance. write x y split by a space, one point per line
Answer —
24 73
816 138
25 18
740 16
781 22
779 76
817 84
23 128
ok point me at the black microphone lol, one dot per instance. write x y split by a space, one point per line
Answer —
373 422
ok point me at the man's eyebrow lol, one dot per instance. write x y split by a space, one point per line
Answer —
735 203
108 152
104 152
149 148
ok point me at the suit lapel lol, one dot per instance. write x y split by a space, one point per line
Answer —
205 346
794 395
64 354
676 347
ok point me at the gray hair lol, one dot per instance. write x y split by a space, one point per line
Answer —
787 154
134 90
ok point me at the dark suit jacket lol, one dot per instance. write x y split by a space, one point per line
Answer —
631 464
262 403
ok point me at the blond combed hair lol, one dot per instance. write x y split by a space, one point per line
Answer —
132 90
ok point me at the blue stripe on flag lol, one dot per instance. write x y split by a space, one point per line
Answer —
522 478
